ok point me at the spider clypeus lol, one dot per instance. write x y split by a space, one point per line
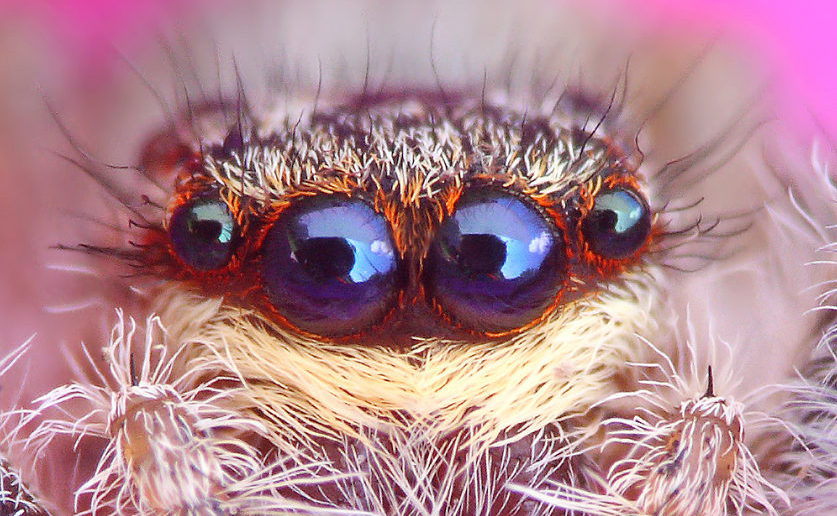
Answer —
442 296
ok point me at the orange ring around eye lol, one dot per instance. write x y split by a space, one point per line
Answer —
589 193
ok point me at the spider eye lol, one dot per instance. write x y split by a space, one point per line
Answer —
618 224
496 263
329 265
203 233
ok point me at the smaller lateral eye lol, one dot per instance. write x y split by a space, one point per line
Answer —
203 233
618 224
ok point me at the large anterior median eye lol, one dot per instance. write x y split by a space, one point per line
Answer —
329 265
618 224
203 233
496 263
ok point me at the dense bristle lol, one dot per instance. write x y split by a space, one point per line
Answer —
175 442
681 452
16 498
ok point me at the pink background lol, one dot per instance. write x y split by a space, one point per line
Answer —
795 38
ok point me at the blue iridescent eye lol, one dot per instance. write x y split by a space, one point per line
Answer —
329 265
618 224
496 263
203 233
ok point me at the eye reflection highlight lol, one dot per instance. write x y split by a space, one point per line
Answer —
496 263
329 266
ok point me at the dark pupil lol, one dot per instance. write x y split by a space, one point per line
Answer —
618 224
326 258
605 221
482 254
206 230
203 233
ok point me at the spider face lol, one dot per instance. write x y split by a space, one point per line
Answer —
470 221
412 283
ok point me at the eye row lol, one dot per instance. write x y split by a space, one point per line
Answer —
328 264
